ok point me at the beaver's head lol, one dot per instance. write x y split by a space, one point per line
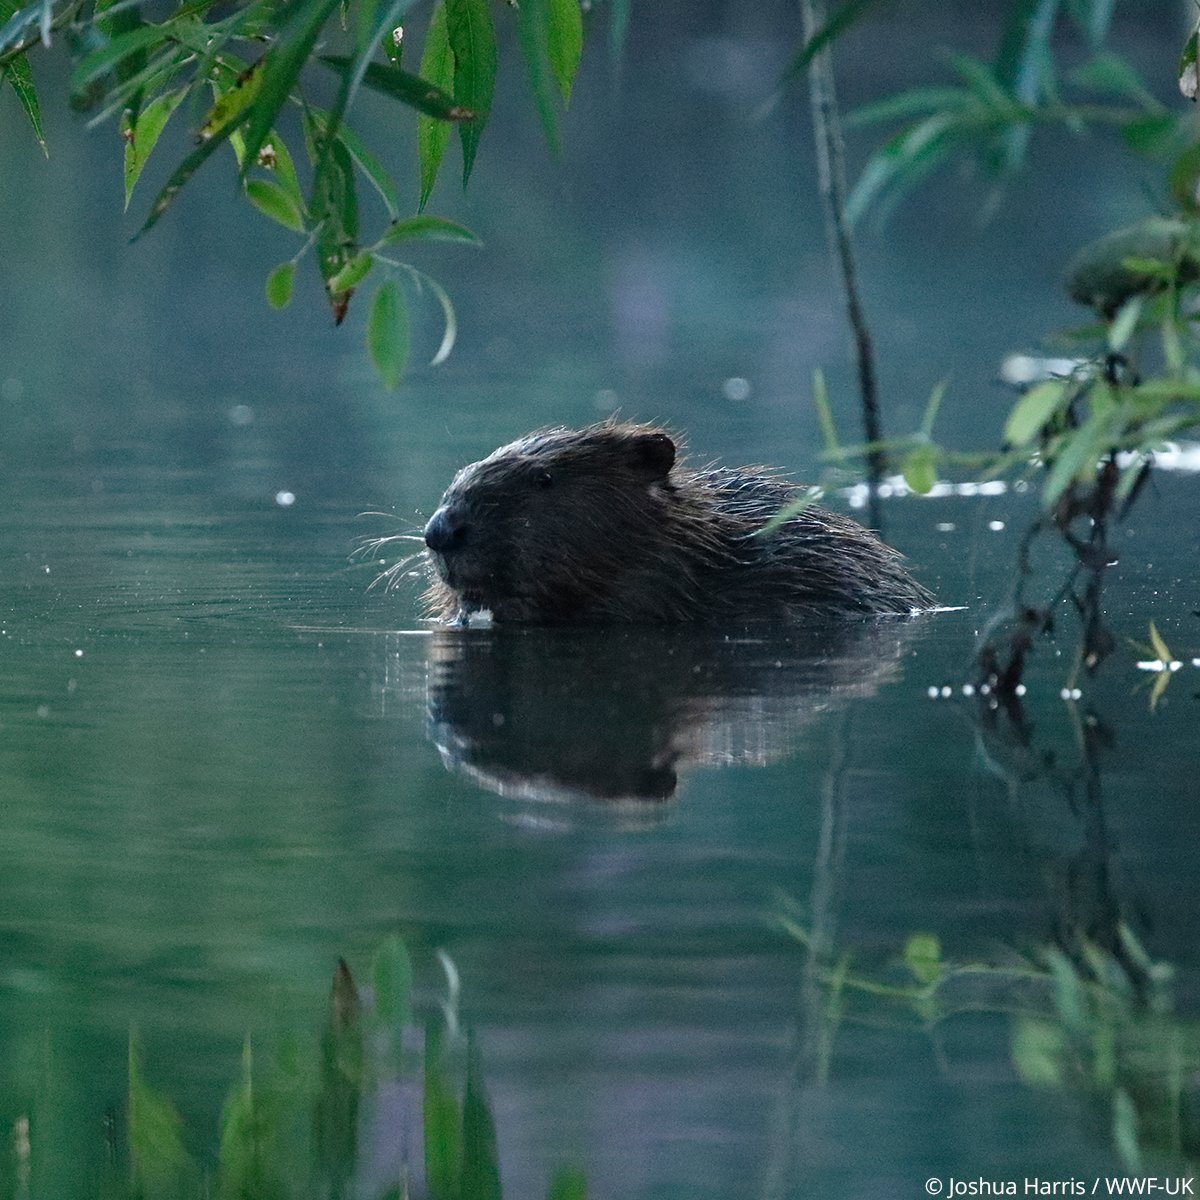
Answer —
542 528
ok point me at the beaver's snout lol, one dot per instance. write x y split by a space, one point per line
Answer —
447 530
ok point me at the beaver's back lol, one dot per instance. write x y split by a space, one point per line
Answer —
815 561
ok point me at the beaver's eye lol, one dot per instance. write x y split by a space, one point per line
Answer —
543 479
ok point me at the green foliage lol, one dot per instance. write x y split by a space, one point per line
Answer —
845 15
142 134
569 1183
472 44
1137 386
387 333
160 1165
391 973
19 74
290 1124
533 28
1097 1023
992 110
142 65
442 1124
480 1163
437 65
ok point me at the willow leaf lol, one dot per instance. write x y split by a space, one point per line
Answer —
564 42
299 28
532 33
116 51
145 133
387 334
273 200
428 229
20 77
473 43
409 89
186 170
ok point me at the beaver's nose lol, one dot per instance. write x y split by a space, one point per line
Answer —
447 530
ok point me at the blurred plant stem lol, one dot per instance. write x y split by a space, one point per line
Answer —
831 179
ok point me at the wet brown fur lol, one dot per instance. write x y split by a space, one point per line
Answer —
604 525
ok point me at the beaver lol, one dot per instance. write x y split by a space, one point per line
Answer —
608 525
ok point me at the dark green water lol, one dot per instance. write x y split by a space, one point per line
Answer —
225 763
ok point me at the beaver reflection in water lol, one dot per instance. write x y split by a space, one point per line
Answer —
605 525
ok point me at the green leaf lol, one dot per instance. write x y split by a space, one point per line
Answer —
284 169
912 103
233 99
1077 456
409 89
472 42
1038 1051
159 1161
833 445
392 975
987 89
335 213
923 957
249 1130
107 57
1125 322
364 160
1184 180
144 135
20 76
428 229
932 405
845 16
1125 1132
1034 409
1109 72
442 1126
1024 64
480 1163
569 1183
920 468
273 201
299 27
532 33
279 285
437 65
564 42
186 170
371 26
352 274
387 334
904 160
1151 135
125 97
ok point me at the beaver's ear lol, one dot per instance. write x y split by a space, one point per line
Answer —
652 455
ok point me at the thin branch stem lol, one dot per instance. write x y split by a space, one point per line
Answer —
831 175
